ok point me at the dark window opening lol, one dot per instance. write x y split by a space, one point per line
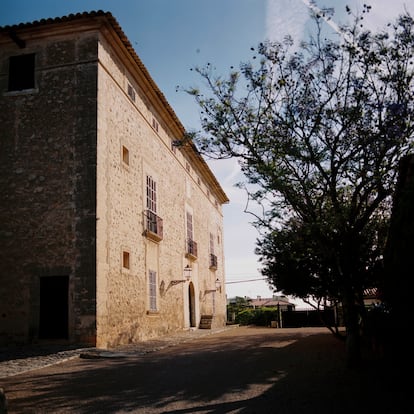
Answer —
125 155
131 92
155 124
153 226
21 72
125 260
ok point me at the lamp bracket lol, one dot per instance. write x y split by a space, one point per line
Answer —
176 282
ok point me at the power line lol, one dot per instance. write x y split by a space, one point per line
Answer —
243 281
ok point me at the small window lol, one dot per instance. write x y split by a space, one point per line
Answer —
151 195
155 124
191 248
152 281
213 257
21 72
125 155
131 92
211 243
125 260
189 226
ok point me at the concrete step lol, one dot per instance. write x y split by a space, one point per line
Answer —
206 321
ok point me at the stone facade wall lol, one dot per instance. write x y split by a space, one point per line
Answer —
72 202
47 181
124 122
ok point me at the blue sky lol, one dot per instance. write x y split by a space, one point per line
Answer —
172 36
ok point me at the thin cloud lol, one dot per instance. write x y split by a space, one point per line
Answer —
291 17
286 17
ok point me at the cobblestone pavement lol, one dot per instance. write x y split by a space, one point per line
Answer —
17 360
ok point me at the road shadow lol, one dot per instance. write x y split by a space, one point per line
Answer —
245 371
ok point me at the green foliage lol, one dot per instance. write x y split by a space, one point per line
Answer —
297 258
234 308
245 317
259 317
264 316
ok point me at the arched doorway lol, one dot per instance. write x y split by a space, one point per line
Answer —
191 305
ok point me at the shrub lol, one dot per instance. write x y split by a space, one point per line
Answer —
245 317
259 317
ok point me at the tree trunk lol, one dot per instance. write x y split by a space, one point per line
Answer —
353 347
353 335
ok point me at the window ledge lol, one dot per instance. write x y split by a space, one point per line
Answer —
153 313
152 236
191 256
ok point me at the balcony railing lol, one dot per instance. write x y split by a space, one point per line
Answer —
191 251
213 261
153 226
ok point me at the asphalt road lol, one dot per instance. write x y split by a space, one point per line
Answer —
242 370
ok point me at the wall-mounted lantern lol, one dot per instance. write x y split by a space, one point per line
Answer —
218 287
187 276
218 284
187 272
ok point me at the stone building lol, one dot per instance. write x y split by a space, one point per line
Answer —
111 224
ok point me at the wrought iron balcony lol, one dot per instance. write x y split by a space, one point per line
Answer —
191 251
153 226
213 261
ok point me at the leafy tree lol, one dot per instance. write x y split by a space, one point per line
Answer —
318 132
301 262
234 308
